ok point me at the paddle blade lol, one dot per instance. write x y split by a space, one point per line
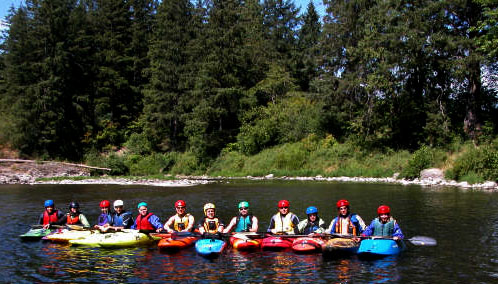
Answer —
422 241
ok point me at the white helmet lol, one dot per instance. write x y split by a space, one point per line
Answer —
118 203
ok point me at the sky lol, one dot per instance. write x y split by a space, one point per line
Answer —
6 4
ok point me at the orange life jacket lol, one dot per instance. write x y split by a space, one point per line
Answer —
143 222
52 218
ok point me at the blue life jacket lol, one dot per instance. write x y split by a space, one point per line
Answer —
104 218
244 224
118 220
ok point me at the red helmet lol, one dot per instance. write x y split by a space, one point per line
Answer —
180 203
105 204
342 202
383 209
283 203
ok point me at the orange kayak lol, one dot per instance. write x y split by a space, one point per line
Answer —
245 244
176 244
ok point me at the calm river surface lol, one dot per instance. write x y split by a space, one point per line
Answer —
465 225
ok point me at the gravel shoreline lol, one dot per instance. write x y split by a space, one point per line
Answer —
27 174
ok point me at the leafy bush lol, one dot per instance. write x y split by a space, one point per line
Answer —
188 164
138 144
423 158
152 164
477 164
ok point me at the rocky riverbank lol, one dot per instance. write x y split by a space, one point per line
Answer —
28 173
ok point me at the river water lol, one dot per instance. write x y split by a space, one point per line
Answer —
465 224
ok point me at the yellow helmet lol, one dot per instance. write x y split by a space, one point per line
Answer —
208 206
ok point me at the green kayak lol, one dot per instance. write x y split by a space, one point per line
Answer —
128 238
35 234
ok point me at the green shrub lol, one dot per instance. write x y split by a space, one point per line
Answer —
478 164
153 164
116 164
138 144
188 164
423 158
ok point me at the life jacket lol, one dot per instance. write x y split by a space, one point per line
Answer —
339 226
73 220
284 224
143 223
244 224
311 227
104 218
211 225
180 223
117 220
52 218
386 229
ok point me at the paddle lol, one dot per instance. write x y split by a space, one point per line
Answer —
416 240
51 226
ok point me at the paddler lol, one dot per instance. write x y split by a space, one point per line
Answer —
313 224
284 222
105 218
210 224
181 221
384 225
146 221
346 223
50 216
121 219
244 222
75 217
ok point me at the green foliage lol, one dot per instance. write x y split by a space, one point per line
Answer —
423 158
150 165
476 164
188 164
138 144
290 120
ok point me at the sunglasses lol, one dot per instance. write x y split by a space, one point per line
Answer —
243 208
180 207
283 207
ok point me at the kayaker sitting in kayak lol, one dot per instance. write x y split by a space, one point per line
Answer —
346 223
210 224
75 217
145 221
245 222
181 221
313 224
50 216
384 225
121 219
104 220
284 222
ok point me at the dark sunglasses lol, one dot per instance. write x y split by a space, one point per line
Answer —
243 208
180 207
283 207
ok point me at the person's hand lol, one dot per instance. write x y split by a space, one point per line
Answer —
396 238
46 227
159 230
273 231
356 239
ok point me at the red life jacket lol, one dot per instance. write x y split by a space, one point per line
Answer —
73 221
52 218
143 222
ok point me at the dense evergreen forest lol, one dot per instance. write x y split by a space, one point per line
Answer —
204 78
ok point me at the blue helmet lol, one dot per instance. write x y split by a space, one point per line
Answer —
142 204
311 210
49 203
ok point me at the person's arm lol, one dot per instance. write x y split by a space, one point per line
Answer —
361 224
369 230
221 226
40 219
397 233
84 221
167 225
295 221
156 223
200 226
191 222
330 229
127 220
321 227
255 225
301 226
134 226
271 227
230 226
61 218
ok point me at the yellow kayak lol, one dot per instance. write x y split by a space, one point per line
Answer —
126 238
65 236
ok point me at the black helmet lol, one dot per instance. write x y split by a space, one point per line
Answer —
74 204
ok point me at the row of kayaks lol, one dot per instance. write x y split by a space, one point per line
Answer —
213 246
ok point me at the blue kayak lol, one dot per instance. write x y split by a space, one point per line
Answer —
380 247
210 247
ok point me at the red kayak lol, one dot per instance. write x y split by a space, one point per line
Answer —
176 244
245 244
276 243
307 245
